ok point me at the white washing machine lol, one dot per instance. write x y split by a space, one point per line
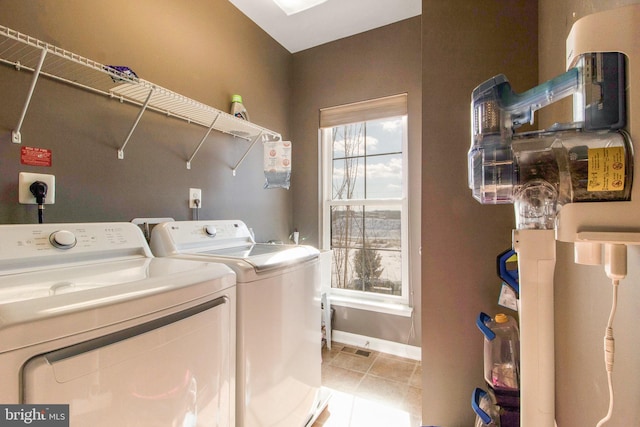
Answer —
279 335
90 319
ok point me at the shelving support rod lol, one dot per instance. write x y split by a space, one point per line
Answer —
246 152
16 137
135 124
206 135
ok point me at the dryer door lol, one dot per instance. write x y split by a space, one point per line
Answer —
175 371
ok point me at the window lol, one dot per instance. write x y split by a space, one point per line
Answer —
364 218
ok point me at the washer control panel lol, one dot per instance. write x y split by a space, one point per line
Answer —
199 235
105 240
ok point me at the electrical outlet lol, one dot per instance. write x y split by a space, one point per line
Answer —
25 179
195 194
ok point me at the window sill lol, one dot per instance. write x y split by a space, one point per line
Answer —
395 309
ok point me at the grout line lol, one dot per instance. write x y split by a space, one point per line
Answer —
402 405
365 373
404 401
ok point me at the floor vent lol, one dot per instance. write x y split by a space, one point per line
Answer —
352 350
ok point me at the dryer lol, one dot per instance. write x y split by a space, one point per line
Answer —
279 334
90 319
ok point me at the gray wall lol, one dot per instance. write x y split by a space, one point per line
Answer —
203 49
381 62
464 43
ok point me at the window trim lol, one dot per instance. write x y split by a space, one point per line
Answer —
386 307
391 304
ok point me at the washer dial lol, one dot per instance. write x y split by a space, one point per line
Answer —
63 239
210 230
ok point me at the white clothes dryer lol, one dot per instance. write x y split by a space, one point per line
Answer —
90 319
278 364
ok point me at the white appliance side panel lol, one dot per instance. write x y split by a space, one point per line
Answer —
279 356
176 374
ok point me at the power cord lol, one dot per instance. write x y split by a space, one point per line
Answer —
39 191
609 351
616 269
196 214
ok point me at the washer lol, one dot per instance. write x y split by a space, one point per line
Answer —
279 336
89 318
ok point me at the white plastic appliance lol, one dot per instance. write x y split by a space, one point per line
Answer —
279 334
89 318
589 165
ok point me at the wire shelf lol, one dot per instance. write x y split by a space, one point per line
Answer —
26 53
176 105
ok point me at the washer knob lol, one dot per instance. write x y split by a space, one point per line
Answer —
210 230
63 239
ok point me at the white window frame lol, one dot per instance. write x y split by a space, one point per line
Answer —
356 113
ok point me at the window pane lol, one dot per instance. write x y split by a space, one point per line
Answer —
342 276
348 178
379 265
384 176
389 273
382 228
337 142
346 226
384 136
376 271
348 141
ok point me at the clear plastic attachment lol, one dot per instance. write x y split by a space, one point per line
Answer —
536 206
579 166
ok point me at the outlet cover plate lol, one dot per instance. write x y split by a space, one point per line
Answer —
25 179
195 194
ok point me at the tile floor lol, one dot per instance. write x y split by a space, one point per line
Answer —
370 389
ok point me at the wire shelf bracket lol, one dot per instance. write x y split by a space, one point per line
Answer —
204 138
135 124
16 136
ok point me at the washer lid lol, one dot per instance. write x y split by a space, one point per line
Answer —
48 304
264 256
226 239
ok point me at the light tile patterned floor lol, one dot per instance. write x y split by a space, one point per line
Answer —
370 389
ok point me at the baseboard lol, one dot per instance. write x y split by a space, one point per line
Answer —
376 344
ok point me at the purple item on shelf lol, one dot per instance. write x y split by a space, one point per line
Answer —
126 73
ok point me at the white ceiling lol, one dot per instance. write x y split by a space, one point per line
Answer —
329 21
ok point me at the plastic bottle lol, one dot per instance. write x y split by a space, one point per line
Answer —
502 354
237 109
